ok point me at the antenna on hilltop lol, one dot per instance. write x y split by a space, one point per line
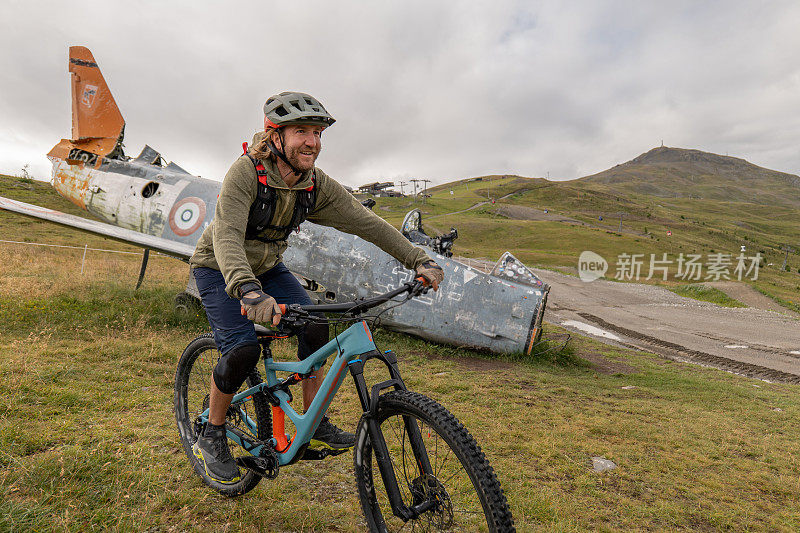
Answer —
662 143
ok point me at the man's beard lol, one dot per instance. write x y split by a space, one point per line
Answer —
294 159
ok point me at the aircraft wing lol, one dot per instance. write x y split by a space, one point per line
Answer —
177 249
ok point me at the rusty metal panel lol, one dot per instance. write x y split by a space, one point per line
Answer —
95 114
70 181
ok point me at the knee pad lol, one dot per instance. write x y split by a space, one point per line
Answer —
233 367
314 337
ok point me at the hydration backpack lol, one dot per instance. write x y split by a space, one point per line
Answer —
263 208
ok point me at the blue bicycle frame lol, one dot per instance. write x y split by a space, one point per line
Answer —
350 349
347 347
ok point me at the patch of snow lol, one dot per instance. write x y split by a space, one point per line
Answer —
591 330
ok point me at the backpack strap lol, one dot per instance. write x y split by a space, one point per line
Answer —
263 208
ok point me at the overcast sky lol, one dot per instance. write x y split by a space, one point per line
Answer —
427 89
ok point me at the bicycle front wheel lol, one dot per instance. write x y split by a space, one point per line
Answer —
192 388
462 483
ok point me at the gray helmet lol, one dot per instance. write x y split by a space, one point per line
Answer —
290 107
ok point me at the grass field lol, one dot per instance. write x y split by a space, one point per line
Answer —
88 440
698 226
698 291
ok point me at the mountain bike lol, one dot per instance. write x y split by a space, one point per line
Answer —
414 462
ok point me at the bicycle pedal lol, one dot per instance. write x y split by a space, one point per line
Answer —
261 466
313 454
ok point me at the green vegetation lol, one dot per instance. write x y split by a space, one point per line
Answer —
794 305
87 438
701 292
88 441
693 200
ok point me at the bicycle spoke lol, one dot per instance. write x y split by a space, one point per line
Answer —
435 455
403 453
460 486
403 486
444 459
453 474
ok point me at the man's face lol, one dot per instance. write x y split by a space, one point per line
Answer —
302 144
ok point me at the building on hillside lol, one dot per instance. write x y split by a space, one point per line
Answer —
380 189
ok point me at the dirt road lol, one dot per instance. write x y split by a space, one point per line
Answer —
755 342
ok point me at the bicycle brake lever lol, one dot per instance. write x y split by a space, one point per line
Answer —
294 318
297 310
417 288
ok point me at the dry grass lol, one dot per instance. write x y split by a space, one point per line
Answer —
88 440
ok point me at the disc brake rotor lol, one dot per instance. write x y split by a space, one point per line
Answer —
428 488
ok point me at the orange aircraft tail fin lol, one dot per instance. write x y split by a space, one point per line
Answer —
97 124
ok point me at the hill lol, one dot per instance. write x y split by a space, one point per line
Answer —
676 172
80 348
667 200
689 209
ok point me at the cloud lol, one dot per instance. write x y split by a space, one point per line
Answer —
438 90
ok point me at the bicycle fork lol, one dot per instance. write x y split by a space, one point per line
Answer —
369 402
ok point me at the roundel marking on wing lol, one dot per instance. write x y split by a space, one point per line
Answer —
187 215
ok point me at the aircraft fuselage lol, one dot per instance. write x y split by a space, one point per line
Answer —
164 208
161 201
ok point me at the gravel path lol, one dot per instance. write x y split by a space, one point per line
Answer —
756 342
749 296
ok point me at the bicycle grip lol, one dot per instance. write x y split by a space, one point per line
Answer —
424 281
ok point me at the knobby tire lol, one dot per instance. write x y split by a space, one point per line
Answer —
192 386
463 479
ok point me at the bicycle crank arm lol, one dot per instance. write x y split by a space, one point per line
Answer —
318 455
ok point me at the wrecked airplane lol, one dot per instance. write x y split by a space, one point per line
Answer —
413 231
161 207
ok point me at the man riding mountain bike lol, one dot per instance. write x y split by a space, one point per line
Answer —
266 194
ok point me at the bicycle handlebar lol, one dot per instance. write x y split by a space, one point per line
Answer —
298 314
415 288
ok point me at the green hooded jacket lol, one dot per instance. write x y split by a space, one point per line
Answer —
222 245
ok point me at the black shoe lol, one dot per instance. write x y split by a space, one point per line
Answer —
329 436
215 457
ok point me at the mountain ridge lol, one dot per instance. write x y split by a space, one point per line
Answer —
670 172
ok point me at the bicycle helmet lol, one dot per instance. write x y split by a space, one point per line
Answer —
291 107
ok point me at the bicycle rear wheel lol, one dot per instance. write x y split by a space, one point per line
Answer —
192 386
468 495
